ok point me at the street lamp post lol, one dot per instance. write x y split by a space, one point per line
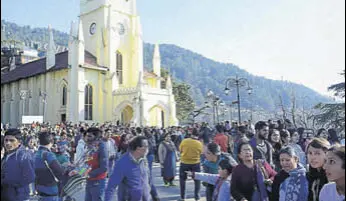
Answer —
237 82
216 102
249 91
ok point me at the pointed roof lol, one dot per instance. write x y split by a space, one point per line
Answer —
51 43
157 51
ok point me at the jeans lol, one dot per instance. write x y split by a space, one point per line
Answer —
111 163
183 177
50 198
153 190
95 190
209 190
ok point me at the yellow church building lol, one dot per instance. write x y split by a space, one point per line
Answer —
100 78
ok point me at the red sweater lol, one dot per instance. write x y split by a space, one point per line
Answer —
222 140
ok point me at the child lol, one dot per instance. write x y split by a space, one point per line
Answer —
222 182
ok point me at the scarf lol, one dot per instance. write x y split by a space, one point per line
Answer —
260 178
293 187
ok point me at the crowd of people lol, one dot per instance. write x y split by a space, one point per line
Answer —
268 161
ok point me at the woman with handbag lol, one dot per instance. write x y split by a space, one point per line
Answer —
251 179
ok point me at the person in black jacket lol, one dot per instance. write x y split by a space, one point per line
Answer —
316 174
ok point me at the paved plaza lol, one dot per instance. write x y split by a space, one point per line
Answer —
165 193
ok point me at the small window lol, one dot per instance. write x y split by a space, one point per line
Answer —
64 95
88 102
119 71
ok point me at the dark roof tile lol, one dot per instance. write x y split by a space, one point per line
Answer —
38 67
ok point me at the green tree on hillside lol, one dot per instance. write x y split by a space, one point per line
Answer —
184 102
333 114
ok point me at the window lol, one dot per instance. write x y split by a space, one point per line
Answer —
120 67
88 101
64 95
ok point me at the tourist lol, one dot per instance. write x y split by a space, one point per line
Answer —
240 137
213 157
333 137
17 168
262 149
295 138
221 138
316 152
285 137
275 141
133 168
221 181
168 156
335 169
97 160
111 149
295 186
322 132
251 178
151 157
81 149
191 150
48 170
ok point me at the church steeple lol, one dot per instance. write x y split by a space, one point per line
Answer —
157 61
80 43
50 56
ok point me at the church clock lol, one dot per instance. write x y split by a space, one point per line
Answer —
92 29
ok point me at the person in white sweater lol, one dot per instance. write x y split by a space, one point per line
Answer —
80 150
335 170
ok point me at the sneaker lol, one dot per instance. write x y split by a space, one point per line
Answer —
166 184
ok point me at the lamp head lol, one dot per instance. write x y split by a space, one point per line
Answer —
249 90
210 93
227 90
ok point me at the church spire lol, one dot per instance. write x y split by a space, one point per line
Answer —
80 44
169 84
50 56
157 61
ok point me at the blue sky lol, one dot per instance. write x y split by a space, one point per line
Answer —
299 41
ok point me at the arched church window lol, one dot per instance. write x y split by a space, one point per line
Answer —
119 67
88 101
64 95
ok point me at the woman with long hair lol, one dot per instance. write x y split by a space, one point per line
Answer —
168 156
275 141
335 169
285 137
322 132
295 138
316 175
251 178
333 137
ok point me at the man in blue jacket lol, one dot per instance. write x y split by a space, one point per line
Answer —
131 174
17 168
47 168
